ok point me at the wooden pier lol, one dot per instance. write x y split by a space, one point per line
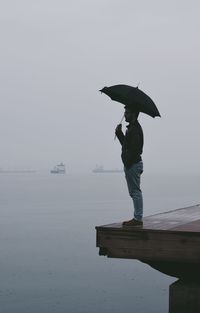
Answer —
172 237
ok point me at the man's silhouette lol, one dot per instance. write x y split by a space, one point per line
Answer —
132 146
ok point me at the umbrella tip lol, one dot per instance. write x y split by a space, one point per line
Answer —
158 115
103 89
138 85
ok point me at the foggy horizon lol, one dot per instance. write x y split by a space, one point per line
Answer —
55 57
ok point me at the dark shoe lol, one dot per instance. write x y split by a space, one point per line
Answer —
133 222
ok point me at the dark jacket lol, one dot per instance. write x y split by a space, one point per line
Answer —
132 144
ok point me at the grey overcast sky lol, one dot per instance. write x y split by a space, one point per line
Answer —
57 54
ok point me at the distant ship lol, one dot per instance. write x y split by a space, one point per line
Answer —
100 169
58 169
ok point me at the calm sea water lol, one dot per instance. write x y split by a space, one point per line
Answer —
48 258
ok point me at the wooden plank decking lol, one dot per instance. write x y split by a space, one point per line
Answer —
172 236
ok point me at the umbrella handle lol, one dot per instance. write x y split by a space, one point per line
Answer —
119 123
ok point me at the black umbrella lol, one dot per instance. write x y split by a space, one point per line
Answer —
132 96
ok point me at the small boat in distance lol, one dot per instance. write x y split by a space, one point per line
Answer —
58 169
100 169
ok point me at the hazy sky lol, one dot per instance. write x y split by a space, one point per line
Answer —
57 54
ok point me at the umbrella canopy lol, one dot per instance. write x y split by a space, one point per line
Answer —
133 97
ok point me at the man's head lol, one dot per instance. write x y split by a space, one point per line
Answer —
130 114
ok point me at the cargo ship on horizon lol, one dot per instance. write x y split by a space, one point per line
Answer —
100 169
58 169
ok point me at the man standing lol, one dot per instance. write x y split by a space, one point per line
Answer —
132 146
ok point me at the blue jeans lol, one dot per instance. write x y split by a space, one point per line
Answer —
132 175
